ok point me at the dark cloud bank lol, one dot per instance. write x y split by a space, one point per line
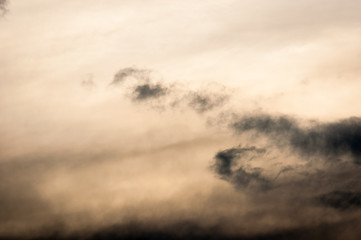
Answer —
189 230
325 140
342 199
333 148
19 199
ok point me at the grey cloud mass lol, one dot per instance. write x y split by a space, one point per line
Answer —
147 91
320 153
341 199
328 140
228 165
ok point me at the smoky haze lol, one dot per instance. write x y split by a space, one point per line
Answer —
180 119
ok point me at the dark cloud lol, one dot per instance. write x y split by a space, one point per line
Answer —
329 140
124 73
314 159
228 165
191 230
144 87
226 159
341 200
180 230
202 102
148 91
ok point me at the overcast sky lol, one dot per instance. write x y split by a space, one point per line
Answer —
237 117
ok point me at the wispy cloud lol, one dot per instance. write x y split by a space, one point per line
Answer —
145 88
3 7
203 102
131 72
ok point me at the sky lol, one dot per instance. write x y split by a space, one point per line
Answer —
180 119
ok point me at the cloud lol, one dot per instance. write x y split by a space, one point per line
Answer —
137 230
226 159
21 202
124 73
3 7
229 166
324 152
202 102
144 86
192 230
148 91
328 140
341 200
307 165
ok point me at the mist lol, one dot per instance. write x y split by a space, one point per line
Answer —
180 120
